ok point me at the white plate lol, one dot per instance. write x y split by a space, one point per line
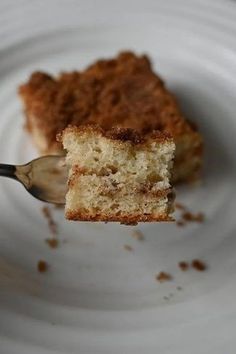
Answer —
96 296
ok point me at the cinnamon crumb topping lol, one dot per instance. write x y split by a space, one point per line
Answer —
163 277
123 91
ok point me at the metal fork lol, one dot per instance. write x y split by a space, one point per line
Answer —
45 178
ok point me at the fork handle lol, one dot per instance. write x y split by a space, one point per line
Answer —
8 170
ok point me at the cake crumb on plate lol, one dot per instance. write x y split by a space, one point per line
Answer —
180 223
138 235
52 242
128 248
198 265
163 276
51 222
183 265
42 266
188 216
180 206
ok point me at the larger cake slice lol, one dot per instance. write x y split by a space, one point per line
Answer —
118 175
123 92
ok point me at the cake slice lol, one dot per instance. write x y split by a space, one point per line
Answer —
118 175
123 91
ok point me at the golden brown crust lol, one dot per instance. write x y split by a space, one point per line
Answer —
133 219
120 92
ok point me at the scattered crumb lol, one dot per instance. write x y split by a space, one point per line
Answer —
163 276
187 216
171 294
180 223
138 235
52 242
42 266
180 206
51 223
198 265
165 298
184 265
128 248
179 288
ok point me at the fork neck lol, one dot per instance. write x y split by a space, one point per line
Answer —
8 170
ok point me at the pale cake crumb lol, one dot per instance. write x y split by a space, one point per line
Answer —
128 248
138 235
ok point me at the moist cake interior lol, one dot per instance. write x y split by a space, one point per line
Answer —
118 175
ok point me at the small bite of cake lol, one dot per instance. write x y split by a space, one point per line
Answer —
118 175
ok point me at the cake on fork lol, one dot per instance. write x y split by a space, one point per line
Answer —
122 92
118 175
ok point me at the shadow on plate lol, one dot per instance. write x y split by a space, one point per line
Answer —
211 119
